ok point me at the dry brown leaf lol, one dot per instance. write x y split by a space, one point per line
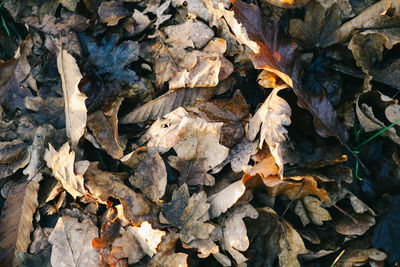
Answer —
347 226
14 155
235 233
141 22
171 101
319 22
126 246
72 243
111 12
191 33
62 165
103 184
275 231
288 3
204 246
166 255
150 174
309 208
74 100
359 257
104 125
16 221
185 212
367 17
272 116
224 199
192 172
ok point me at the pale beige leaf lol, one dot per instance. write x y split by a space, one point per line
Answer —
148 238
204 246
171 101
72 243
74 100
62 165
317 213
126 246
272 116
235 233
16 221
224 199
166 255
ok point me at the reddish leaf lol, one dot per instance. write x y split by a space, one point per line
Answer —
278 54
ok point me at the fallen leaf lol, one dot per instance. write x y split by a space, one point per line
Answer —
192 172
347 226
103 185
351 257
70 4
111 12
309 208
16 221
74 100
272 116
277 238
386 233
185 212
166 255
148 238
14 155
150 174
126 246
62 164
161 18
224 199
204 247
318 24
72 243
141 22
170 101
235 233
191 33
105 129
289 3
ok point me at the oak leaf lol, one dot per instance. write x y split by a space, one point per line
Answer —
74 100
309 208
166 255
62 165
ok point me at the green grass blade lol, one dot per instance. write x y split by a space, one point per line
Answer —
378 133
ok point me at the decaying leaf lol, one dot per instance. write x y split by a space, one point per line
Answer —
62 165
105 129
185 212
277 238
346 226
74 100
166 255
169 102
318 24
103 184
309 208
111 12
224 199
352 257
71 242
192 33
14 155
235 233
272 116
150 174
126 246
16 221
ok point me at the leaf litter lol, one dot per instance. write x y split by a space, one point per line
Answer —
180 133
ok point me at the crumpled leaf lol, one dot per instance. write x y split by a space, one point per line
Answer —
185 212
166 255
62 165
272 116
198 68
224 199
309 208
103 185
150 174
16 221
104 125
235 233
191 33
277 54
14 155
363 20
264 240
318 24
171 101
386 234
347 226
111 12
72 243
74 100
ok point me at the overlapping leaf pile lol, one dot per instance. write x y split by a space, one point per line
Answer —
176 133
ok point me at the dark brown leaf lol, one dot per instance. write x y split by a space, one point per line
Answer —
13 156
111 12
